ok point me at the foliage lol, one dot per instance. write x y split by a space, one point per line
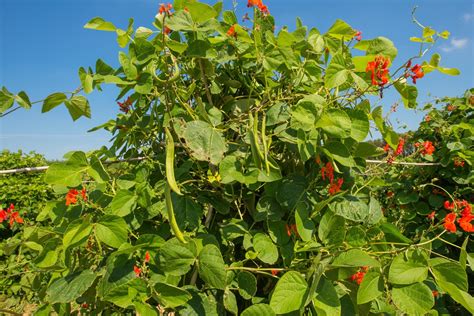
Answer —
254 197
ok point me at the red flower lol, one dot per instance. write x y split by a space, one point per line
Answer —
378 69
275 272
231 31
358 36
428 148
165 8
125 106
458 163
85 305
335 187
147 257
358 277
431 215
137 271
84 194
328 171
166 30
448 206
416 73
400 145
3 216
258 3
465 223
451 107
449 224
435 293
390 194
71 197
386 148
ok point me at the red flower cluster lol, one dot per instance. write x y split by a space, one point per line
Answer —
259 4
359 276
358 36
431 215
231 31
428 148
378 70
451 107
328 172
166 8
125 106
400 145
416 72
458 163
290 229
71 196
466 216
138 271
335 187
386 148
8 214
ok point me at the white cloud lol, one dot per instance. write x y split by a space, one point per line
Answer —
455 44
467 17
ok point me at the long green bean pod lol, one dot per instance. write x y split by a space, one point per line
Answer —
170 162
172 219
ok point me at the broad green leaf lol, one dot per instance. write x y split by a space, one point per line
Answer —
212 266
171 296
232 169
97 170
23 100
50 254
177 258
201 12
205 142
289 293
180 21
355 258
382 46
6 100
340 29
188 213
78 106
375 212
100 24
258 310
370 288
336 73
144 83
247 284
304 225
451 272
123 203
306 112
52 101
230 302
332 229
359 125
112 230
408 94
366 150
336 123
414 299
69 173
265 248
360 62
356 236
128 67
143 32
339 152
463 298
77 233
408 268
351 208
326 302
392 233
68 289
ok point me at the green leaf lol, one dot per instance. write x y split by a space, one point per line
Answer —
306 112
351 208
370 288
97 170
205 142
123 203
444 34
304 224
375 212
366 150
201 12
112 230
451 272
258 310
326 301
336 123
408 94
52 101
247 284
230 302
128 67
232 169
100 24
212 266
355 258
359 125
336 73
339 152
144 83
332 229
289 293
176 257
340 29
23 100
463 298
392 233
414 299
382 46
77 233
180 21
6 100
360 62
265 248
50 254
408 268
428 32
78 106
68 289
69 173
171 296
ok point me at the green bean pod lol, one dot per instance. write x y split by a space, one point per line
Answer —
170 162
171 218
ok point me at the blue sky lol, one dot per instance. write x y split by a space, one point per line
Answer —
43 44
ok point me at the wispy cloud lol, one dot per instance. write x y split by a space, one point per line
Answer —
467 17
455 44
